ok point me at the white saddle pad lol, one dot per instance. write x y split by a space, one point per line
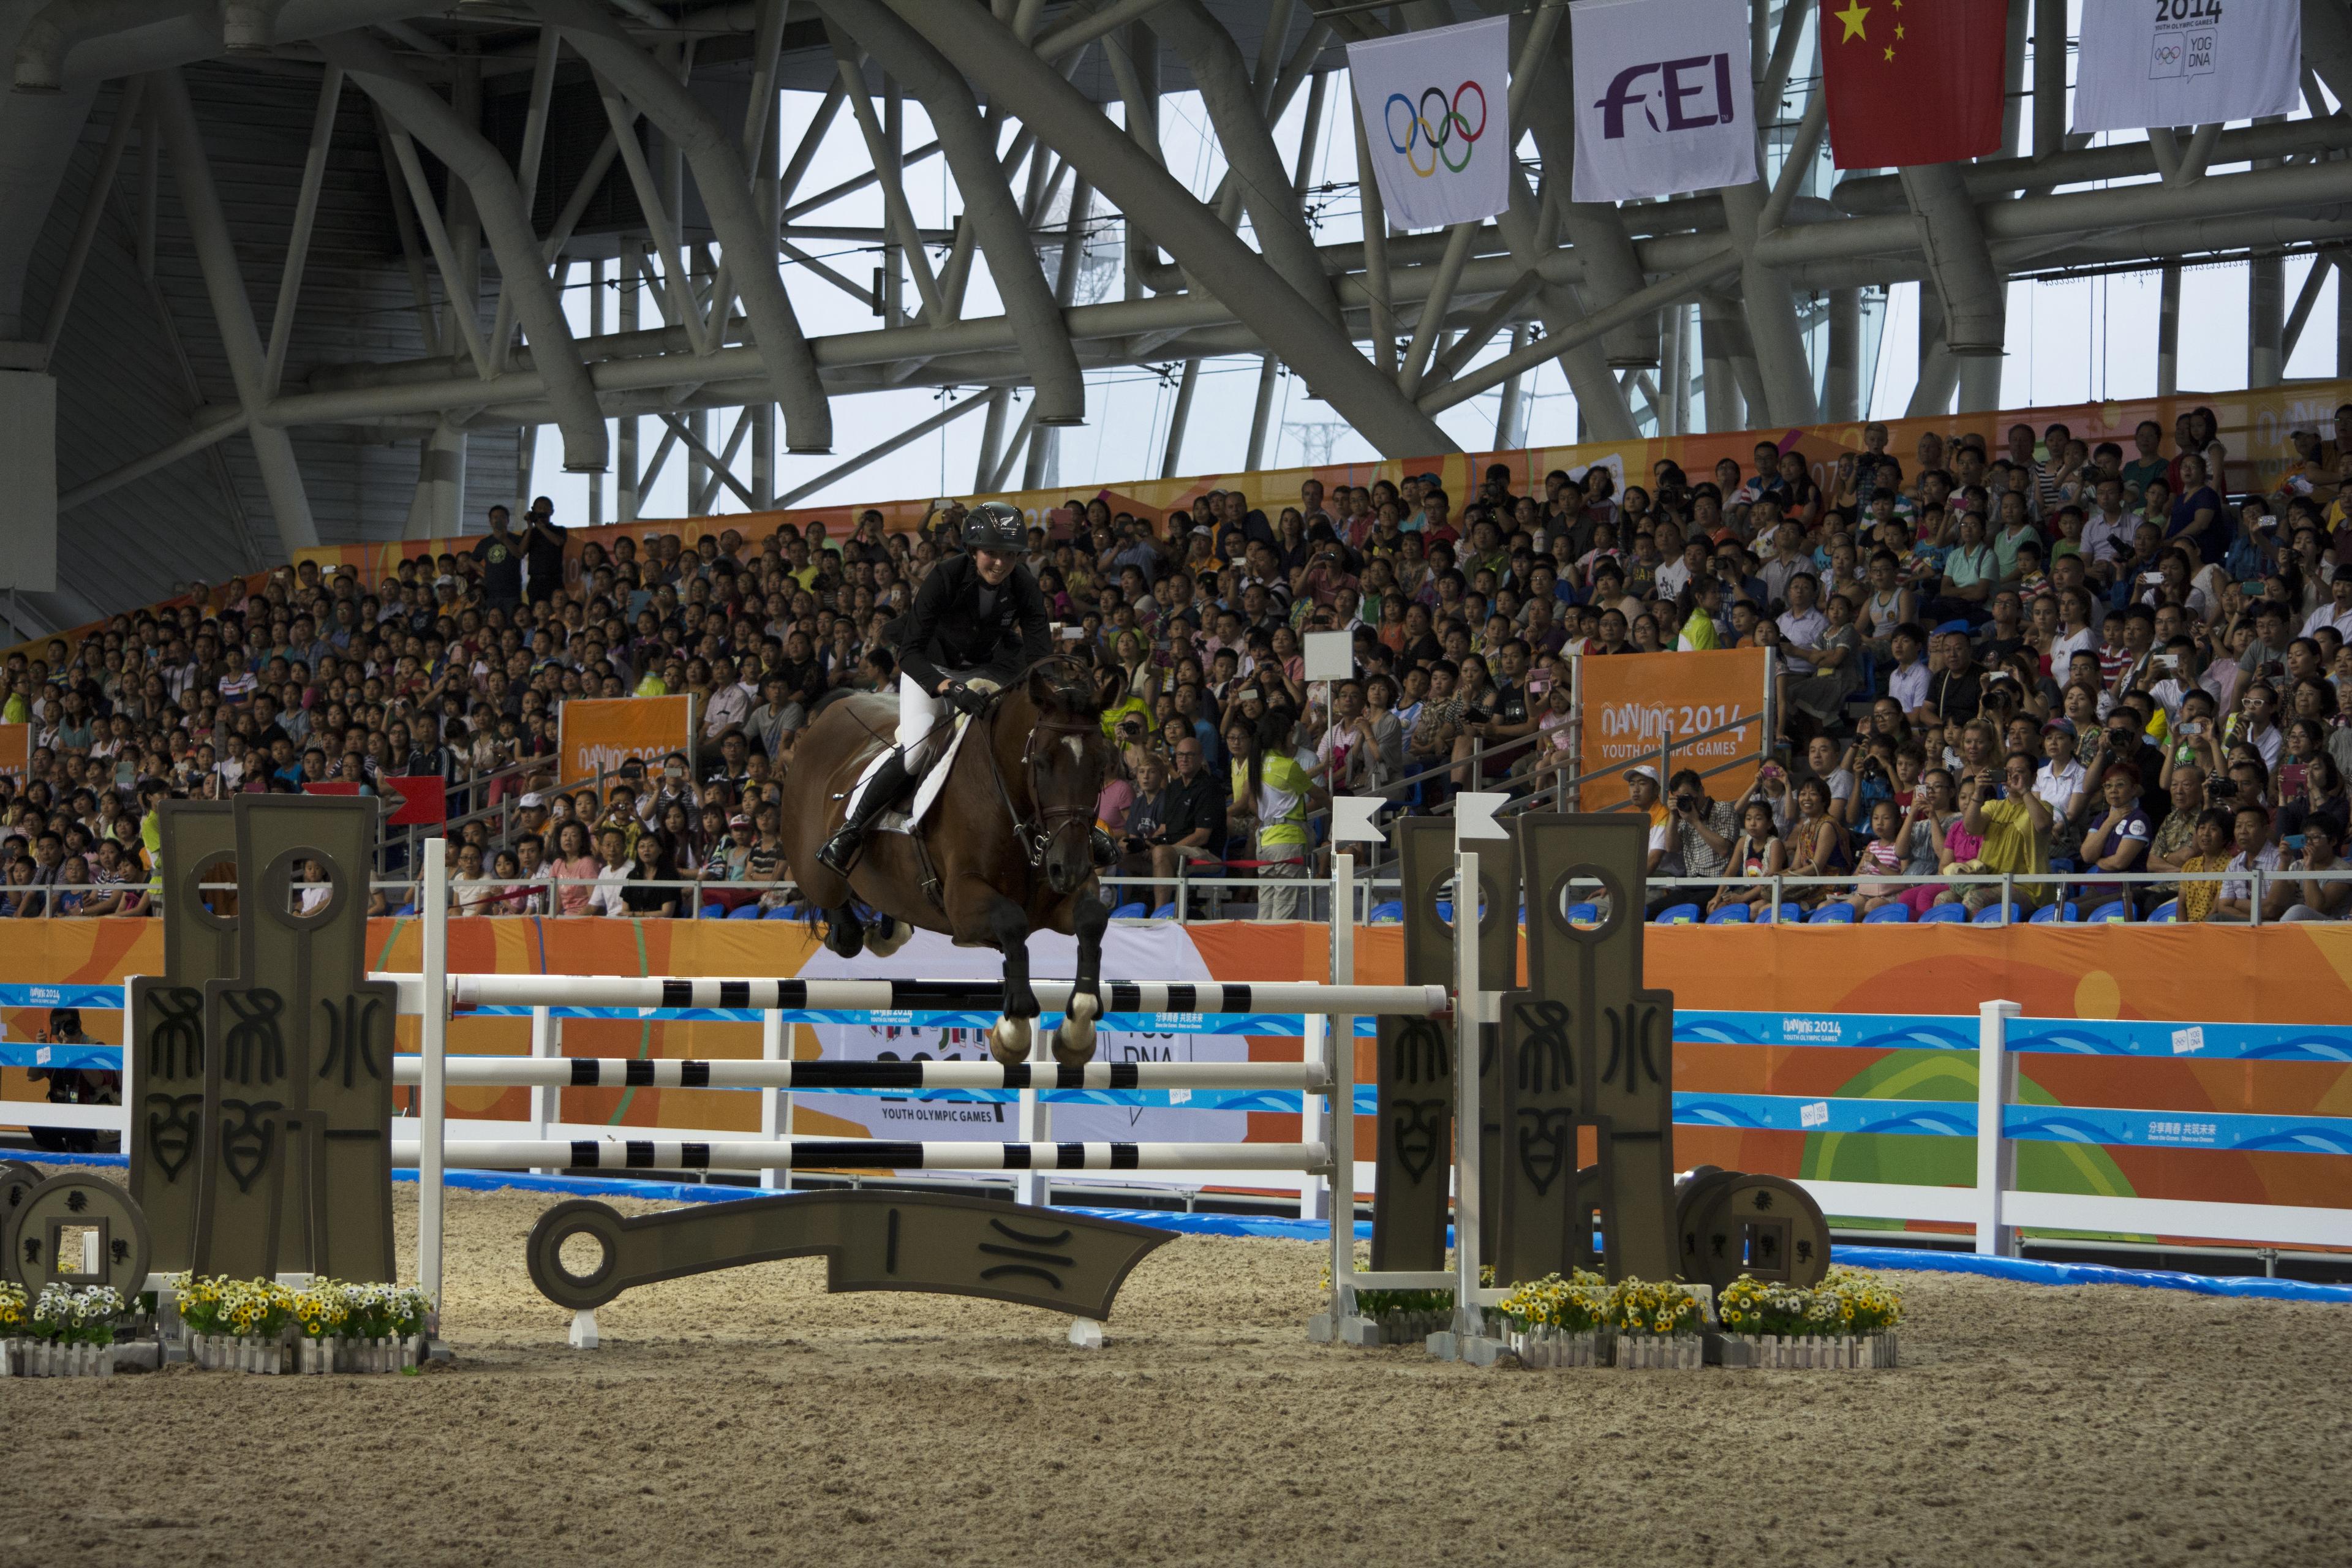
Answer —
927 789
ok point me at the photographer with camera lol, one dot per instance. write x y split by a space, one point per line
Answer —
1703 831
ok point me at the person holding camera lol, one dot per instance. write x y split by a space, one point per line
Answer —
1702 832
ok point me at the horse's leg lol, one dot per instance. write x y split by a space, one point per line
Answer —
1007 926
887 935
844 934
1073 1042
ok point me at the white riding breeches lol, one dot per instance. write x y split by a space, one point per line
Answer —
920 712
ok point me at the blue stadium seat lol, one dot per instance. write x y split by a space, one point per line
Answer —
1678 915
2166 913
1837 914
1391 913
1166 912
405 910
1888 915
1946 914
1134 911
1584 914
2114 913
783 913
1729 915
744 912
1990 915
2051 914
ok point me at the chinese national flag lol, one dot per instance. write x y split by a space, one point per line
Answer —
1913 82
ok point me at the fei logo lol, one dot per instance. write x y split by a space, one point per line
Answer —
1677 83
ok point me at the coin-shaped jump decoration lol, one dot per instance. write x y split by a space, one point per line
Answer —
1768 1227
79 1230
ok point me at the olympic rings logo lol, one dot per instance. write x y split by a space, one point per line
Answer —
1440 139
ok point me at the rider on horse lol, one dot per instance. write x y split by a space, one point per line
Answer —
978 620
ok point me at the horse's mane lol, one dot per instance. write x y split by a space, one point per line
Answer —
1062 684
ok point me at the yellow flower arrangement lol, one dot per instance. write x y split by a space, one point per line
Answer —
1847 1302
1574 1305
13 1311
1644 1307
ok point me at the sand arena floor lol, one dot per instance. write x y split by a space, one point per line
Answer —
747 1417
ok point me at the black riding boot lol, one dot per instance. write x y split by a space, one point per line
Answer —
840 851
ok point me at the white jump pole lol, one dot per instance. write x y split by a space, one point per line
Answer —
743 1072
880 1154
775 1105
1469 1013
546 1044
1339 1057
433 1044
936 995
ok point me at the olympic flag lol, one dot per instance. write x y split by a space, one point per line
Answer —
1436 109
2186 62
1664 103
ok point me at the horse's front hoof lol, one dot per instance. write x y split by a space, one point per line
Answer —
1074 1044
1074 1041
1009 1040
887 935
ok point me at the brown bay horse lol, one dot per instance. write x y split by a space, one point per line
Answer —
1006 849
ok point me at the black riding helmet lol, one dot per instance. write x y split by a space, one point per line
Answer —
993 525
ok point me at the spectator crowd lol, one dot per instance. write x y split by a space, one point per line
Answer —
2042 665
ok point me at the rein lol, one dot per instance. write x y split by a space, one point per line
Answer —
1035 840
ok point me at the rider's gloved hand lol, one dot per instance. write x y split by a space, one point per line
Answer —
964 698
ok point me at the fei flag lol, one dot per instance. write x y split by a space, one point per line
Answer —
1436 108
2186 62
1664 103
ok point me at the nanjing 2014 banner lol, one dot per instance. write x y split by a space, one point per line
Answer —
1664 103
2186 62
1437 108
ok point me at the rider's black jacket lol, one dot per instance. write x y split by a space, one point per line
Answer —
959 627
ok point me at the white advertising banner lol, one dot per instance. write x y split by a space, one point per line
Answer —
2186 62
1437 108
1157 953
1664 103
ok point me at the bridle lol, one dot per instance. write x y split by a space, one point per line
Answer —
1035 838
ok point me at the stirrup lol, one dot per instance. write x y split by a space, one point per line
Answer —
839 853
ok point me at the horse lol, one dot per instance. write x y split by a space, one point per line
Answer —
1006 849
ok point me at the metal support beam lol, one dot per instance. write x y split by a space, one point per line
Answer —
724 183
220 428
1841 388
881 449
224 276
992 438
626 489
506 224
720 466
2305 299
1035 313
1178 418
1288 322
1975 303
898 214
1658 296
1720 387
1376 252
306 215
1510 425
1771 315
1014 448
2167 331
1245 137
127 105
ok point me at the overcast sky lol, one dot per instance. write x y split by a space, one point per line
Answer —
2069 340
